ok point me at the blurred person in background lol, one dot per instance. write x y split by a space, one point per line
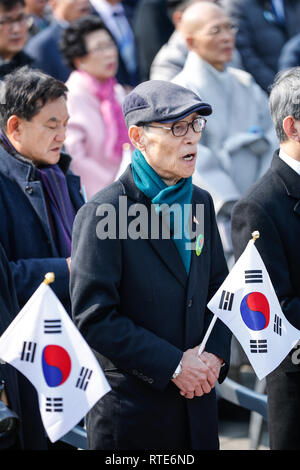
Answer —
39 16
44 46
239 139
152 34
13 36
170 59
264 27
96 130
117 17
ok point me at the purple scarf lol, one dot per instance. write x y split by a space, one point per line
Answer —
60 209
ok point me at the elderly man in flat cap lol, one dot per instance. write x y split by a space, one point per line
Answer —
146 259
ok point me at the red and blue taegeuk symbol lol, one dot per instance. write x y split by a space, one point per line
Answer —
56 364
255 311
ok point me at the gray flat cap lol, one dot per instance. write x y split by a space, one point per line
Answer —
160 101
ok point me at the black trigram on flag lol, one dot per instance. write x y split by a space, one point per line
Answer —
84 378
54 405
226 300
277 325
52 326
28 351
258 346
253 276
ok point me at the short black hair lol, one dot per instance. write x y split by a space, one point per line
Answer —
25 91
11 4
73 44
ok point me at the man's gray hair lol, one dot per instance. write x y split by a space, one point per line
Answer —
285 99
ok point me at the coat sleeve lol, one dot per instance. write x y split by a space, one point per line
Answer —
220 338
248 216
96 275
29 273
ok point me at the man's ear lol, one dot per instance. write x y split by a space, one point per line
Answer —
137 137
14 127
289 128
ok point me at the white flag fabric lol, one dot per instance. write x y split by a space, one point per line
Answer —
247 303
43 344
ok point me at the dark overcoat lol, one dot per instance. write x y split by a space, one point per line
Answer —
137 308
261 35
25 232
272 206
21 395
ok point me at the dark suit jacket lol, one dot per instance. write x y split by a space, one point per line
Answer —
25 232
272 206
261 37
44 49
136 307
21 394
152 34
19 60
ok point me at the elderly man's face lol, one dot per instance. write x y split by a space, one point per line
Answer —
171 157
13 31
41 139
214 41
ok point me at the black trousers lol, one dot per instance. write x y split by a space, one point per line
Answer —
283 390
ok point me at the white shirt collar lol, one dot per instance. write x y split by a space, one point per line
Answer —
291 162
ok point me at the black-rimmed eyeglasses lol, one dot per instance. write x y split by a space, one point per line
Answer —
8 21
180 128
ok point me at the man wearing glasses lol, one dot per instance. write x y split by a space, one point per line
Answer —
238 144
140 302
13 36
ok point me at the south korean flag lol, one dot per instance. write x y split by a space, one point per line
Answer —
43 344
246 302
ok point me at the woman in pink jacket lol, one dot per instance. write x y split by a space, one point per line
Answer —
96 130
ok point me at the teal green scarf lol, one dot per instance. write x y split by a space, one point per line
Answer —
150 183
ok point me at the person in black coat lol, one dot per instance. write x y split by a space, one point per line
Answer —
13 36
18 393
39 195
264 27
139 289
44 47
271 206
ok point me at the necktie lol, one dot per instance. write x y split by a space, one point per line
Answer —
125 41
278 9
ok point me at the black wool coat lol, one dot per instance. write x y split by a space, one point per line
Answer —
137 308
272 206
22 396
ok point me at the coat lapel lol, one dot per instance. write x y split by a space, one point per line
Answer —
198 231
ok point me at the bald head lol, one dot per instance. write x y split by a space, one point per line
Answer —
197 15
209 33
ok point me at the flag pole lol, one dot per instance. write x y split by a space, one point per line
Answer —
255 236
49 278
